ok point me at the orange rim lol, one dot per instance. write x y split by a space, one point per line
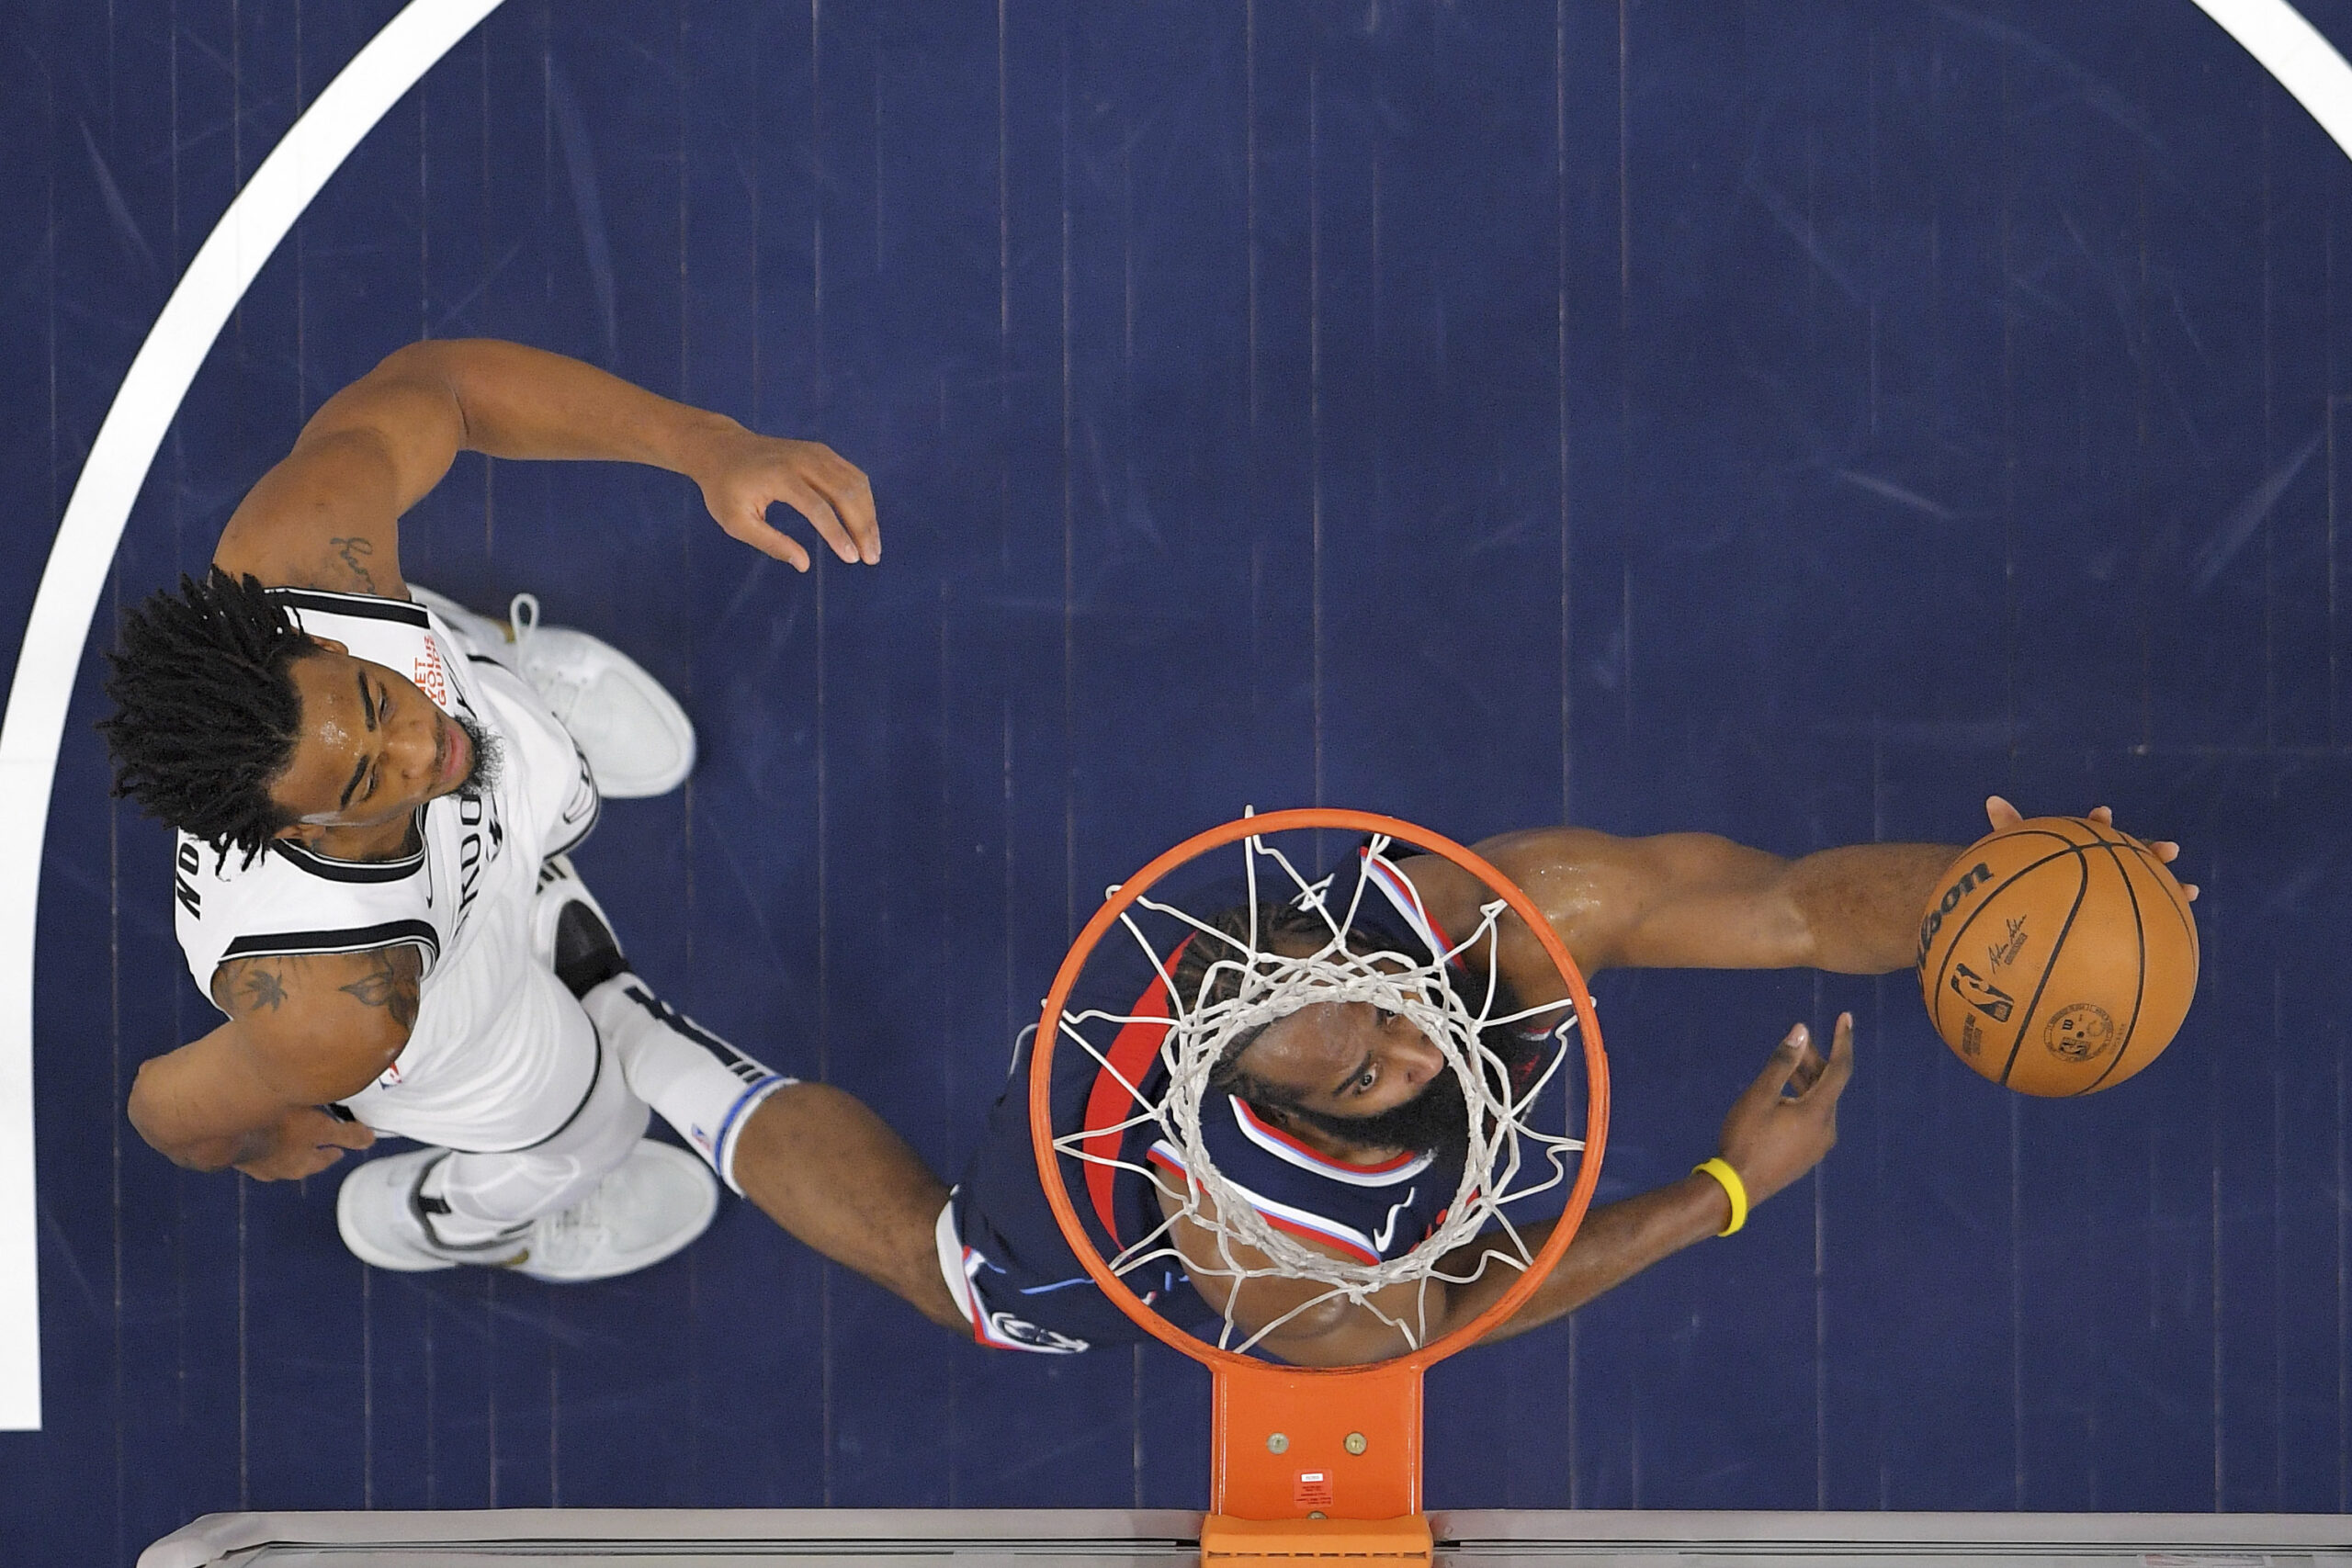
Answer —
1041 1078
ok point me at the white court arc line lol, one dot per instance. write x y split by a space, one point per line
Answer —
71 585
2278 36
2293 50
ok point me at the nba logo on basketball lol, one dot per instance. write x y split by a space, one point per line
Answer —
428 674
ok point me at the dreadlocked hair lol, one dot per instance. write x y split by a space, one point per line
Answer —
205 709
1277 927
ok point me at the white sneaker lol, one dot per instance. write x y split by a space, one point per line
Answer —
660 1199
637 738
380 1211
657 1202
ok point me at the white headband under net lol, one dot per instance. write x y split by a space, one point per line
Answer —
1501 1167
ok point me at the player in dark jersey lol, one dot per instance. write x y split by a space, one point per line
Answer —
1010 1249
1323 1118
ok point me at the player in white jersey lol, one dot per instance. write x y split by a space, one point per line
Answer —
374 796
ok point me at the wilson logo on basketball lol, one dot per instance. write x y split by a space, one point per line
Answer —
1978 874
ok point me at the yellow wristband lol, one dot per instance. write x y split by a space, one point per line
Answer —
1734 1189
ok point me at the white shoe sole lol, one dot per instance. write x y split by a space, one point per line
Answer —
372 1212
654 1205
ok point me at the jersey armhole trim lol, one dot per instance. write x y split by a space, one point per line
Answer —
350 938
368 605
1406 896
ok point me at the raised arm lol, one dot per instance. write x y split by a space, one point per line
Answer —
1698 902
327 516
303 1032
1780 1128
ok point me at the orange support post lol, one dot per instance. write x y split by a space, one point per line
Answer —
1304 1464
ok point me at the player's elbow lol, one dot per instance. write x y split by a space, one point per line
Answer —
1340 1349
430 358
144 1110
422 391
1787 925
153 1116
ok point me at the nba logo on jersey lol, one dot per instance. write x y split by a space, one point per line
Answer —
429 676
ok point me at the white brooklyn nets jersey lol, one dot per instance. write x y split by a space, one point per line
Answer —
500 1055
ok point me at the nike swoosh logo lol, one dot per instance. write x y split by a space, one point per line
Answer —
1387 1233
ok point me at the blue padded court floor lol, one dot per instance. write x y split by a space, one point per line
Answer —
1794 421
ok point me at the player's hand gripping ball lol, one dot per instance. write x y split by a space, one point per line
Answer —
2058 955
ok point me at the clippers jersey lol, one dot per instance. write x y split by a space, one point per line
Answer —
500 1055
1028 1290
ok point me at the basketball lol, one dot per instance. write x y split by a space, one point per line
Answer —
2057 957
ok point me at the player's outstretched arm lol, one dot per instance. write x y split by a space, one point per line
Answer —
1700 901
302 1032
328 515
1780 1128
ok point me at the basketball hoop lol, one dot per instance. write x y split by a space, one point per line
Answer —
1317 1460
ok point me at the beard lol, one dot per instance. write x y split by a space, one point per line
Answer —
1435 1122
490 759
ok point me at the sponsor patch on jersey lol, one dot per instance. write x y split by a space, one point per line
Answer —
430 677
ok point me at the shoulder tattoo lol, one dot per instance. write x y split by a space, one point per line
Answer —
388 977
394 978
248 986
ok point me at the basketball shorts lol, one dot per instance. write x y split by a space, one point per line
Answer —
1006 1260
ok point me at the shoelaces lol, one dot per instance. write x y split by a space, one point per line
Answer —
561 695
569 1236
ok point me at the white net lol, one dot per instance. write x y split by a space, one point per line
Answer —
1452 994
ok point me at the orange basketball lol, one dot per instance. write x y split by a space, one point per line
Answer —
2057 957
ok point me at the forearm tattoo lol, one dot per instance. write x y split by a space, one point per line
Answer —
355 552
392 982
